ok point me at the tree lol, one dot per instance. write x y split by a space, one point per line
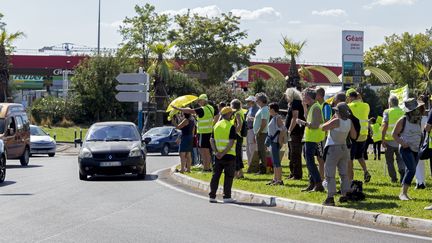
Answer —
94 86
2 24
142 30
6 47
425 83
212 45
293 50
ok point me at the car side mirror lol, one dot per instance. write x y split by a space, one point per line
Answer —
147 140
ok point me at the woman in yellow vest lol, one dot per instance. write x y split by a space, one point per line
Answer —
224 147
376 137
237 120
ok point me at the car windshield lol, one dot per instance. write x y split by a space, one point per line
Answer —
113 133
2 126
37 131
159 131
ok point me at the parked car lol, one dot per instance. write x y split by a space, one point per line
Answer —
2 162
41 142
15 132
162 140
112 148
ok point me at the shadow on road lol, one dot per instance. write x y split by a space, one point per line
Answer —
263 205
20 166
16 194
97 178
7 183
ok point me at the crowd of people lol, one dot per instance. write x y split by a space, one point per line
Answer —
331 136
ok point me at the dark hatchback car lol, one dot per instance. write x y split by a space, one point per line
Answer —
112 148
162 140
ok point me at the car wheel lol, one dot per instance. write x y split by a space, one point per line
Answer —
51 155
165 150
2 168
82 176
141 175
24 160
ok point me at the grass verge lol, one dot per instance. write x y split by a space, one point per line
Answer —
65 134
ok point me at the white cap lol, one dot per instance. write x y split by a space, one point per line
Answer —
251 98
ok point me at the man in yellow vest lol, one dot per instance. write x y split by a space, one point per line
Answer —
205 114
224 147
361 111
312 136
390 117
376 137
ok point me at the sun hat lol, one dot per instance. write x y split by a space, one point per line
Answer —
203 97
343 110
411 104
251 98
226 110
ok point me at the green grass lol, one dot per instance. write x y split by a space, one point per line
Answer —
381 194
65 134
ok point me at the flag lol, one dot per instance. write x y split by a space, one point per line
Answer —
401 94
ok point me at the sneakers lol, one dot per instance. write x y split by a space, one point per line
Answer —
318 188
229 200
428 207
278 183
308 189
420 186
329 202
367 177
212 200
404 197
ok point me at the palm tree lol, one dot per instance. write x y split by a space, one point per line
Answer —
293 50
160 70
425 83
6 47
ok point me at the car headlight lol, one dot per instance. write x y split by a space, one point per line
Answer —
86 153
135 152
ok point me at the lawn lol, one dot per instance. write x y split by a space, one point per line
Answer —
65 134
381 194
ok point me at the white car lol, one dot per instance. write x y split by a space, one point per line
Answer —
41 142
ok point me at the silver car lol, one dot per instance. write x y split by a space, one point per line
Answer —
41 142
2 162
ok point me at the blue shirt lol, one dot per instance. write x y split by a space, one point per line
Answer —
262 114
327 112
252 113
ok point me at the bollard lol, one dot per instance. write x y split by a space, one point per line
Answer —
75 135
55 136
81 137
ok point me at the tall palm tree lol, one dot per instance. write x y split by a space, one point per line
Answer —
6 48
293 50
425 83
160 70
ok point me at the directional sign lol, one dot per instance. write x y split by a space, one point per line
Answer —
135 78
132 87
131 96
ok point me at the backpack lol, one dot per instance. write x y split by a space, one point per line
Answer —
356 193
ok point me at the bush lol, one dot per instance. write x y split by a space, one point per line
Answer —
52 110
66 123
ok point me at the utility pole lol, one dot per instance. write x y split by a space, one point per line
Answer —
98 42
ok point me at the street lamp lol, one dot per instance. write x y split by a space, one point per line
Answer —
98 42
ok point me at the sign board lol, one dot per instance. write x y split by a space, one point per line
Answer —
131 87
131 96
352 56
135 78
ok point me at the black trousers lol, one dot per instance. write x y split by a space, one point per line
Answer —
377 149
239 153
228 167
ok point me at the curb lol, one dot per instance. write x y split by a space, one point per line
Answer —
353 215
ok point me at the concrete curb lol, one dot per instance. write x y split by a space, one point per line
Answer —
354 215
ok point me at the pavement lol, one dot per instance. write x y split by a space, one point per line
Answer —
46 202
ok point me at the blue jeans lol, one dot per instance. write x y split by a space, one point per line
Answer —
310 150
275 151
411 160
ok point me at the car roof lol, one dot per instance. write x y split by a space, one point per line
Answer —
162 127
113 123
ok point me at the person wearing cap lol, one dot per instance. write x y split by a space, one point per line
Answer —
312 136
237 121
390 117
337 153
205 114
295 132
224 147
260 128
407 133
251 145
361 111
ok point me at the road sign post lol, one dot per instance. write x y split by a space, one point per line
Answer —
352 58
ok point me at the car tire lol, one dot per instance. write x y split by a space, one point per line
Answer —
165 150
51 155
2 168
25 158
141 175
82 176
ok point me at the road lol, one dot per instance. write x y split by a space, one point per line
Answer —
46 202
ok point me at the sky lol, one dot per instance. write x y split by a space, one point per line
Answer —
319 22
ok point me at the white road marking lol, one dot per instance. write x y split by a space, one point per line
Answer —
295 216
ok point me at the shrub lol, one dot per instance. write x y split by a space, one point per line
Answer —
65 123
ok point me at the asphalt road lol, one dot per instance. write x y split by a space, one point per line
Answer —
46 202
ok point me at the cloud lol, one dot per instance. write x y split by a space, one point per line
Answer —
266 13
330 12
389 3
294 22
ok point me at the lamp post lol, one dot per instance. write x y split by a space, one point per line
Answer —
98 41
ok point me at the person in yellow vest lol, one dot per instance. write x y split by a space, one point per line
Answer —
205 114
238 120
224 147
376 137
361 111
390 117
312 136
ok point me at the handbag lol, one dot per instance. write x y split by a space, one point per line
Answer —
424 151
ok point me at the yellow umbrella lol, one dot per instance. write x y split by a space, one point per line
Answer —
181 101
172 114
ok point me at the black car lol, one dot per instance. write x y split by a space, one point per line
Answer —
112 148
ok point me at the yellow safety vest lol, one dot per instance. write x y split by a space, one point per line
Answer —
314 135
376 129
242 117
221 132
361 111
394 114
204 124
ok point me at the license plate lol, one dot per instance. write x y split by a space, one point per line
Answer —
110 164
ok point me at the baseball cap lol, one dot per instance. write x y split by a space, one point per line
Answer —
349 91
203 97
251 98
226 110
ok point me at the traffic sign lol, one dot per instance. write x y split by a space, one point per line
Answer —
131 96
131 87
135 78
